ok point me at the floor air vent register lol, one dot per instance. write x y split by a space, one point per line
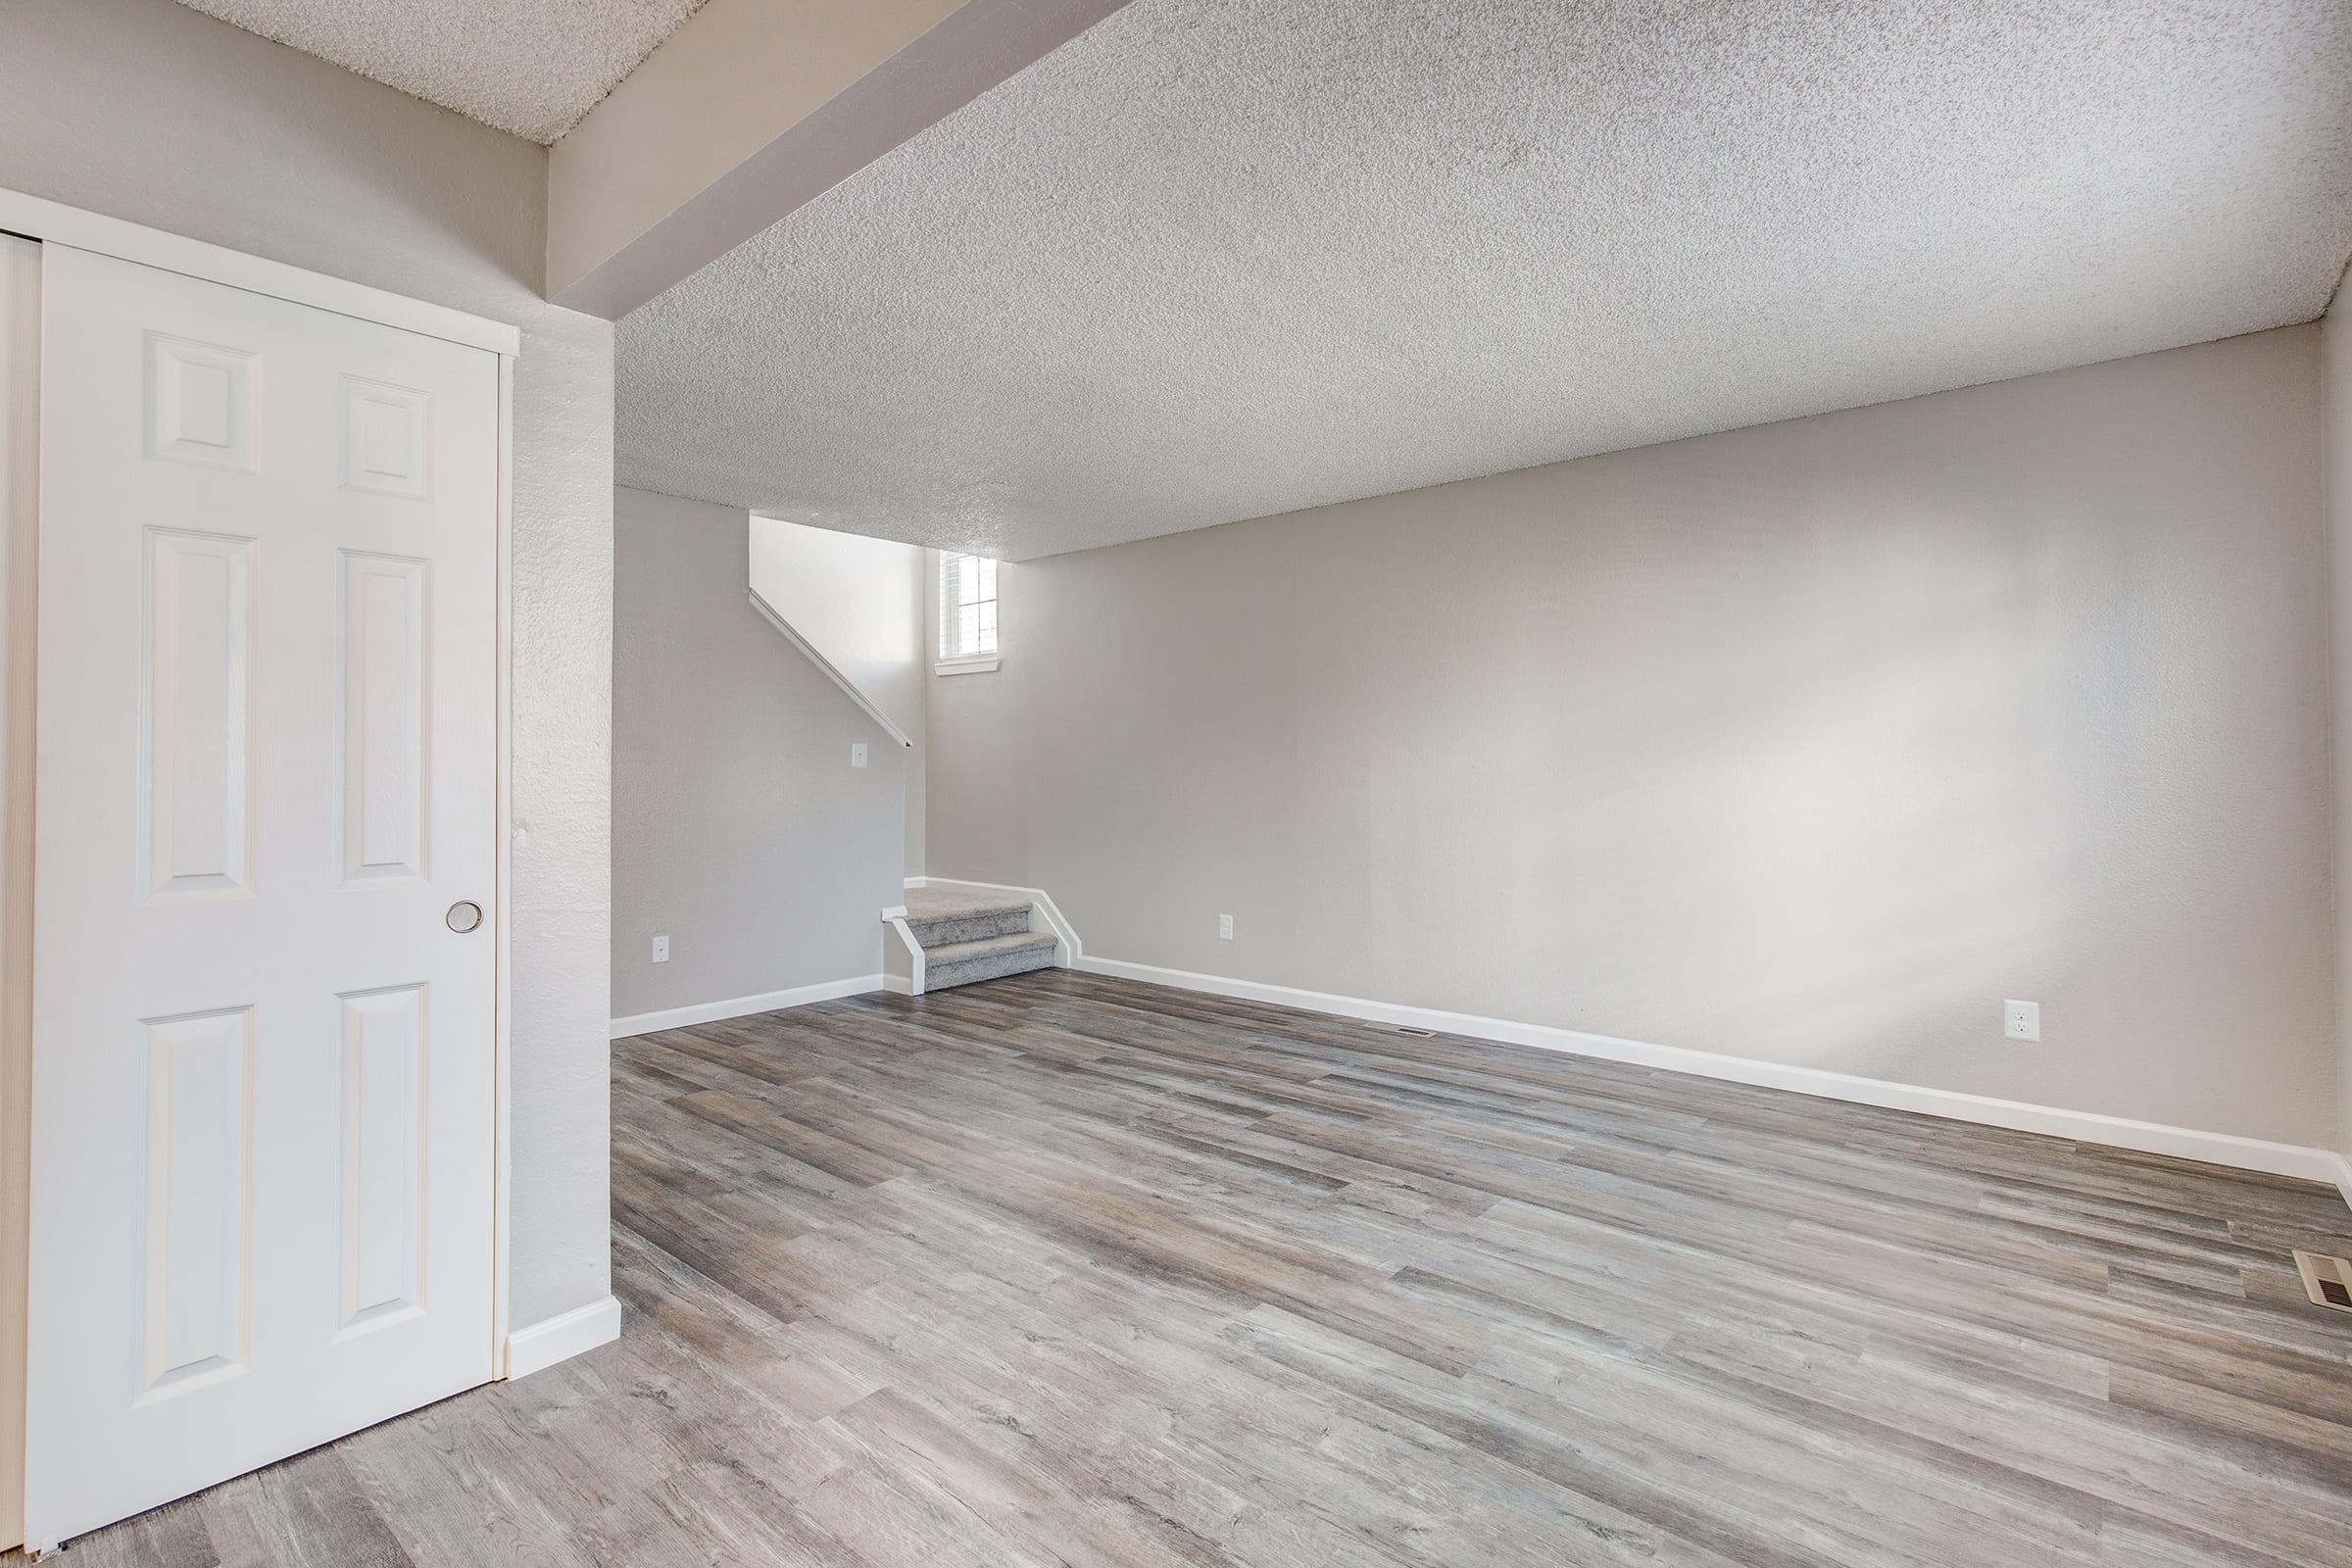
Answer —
2328 1281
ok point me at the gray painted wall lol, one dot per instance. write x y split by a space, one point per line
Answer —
1810 743
740 830
147 111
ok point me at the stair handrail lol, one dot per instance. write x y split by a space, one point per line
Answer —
823 663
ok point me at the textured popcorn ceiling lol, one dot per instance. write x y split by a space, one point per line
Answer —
1219 259
530 66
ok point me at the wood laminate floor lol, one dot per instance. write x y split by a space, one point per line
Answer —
1063 1270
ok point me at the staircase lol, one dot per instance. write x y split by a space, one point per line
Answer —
967 937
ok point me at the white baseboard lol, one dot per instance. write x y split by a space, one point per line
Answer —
562 1336
2118 1132
646 1023
1071 951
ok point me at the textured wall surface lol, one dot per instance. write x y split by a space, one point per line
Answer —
1223 259
863 603
147 111
740 829
1809 743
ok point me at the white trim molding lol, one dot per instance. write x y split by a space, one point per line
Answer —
1043 914
502 909
900 950
646 1023
20 598
60 224
977 664
543 1343
2320 1165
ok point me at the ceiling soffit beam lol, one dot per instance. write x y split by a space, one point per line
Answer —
756 107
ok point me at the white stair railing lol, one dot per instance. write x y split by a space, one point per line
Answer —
848 686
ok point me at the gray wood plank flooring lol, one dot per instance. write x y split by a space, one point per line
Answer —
1064 1270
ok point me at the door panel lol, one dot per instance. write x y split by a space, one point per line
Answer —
195 707
263 1070
385 1227
387 751
199 1161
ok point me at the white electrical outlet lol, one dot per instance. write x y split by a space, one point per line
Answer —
1225 928
2021 1020
856 753
660 950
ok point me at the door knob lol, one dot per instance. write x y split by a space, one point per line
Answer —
464 915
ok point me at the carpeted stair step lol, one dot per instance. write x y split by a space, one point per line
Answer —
940 918
959 964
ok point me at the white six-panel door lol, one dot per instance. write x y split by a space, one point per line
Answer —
263 1052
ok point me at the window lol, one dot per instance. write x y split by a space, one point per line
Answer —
967 611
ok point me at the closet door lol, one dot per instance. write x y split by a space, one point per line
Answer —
263 1037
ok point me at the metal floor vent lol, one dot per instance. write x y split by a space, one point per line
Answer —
2328 1281
1427 1034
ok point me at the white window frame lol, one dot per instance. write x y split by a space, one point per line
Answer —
952 658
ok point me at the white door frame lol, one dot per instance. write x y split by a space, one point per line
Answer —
33 218
19 371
